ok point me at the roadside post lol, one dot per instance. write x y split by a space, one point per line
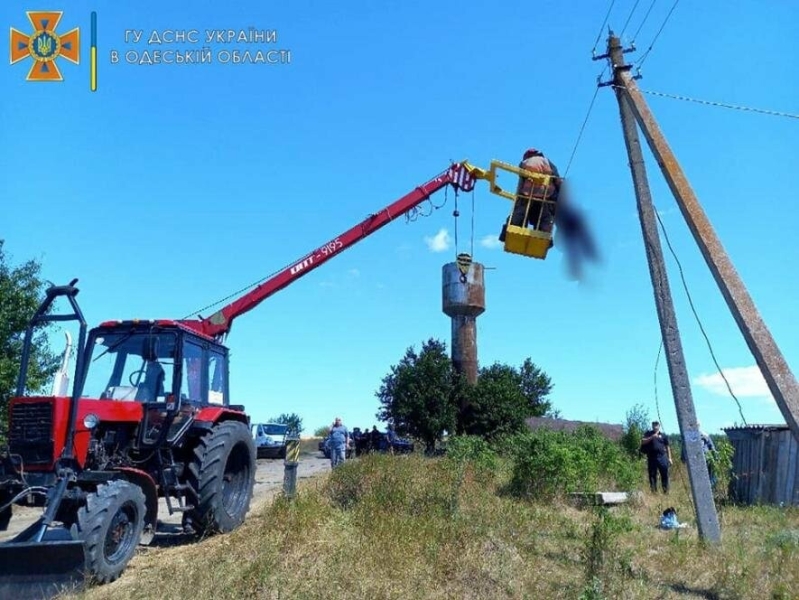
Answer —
290 465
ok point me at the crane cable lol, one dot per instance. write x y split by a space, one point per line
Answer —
239 292
471 249
456 214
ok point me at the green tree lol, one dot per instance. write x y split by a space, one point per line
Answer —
536 387
293 420
636 423
21 292
321 431
420 394
504 397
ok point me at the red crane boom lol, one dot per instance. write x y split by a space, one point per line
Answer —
459 175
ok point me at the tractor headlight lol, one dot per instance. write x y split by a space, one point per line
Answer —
91 421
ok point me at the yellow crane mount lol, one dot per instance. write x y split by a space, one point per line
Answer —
519 239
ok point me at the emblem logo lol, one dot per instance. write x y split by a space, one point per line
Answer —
45 46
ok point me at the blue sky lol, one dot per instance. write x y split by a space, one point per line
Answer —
172 186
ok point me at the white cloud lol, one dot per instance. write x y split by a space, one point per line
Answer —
354 273
490 241
440 242
746 382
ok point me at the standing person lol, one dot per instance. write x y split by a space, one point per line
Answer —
376 438
709 451
655 445
540 194
339 440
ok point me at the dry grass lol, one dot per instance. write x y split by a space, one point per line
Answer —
390 527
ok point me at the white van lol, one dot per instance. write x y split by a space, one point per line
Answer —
270 439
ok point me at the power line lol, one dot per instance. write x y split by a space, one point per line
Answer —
657 362
601 27
646 16
666 20
582 129
630 16
696 315
724 105
660 418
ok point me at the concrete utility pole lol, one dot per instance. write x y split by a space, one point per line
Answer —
781 381
706 517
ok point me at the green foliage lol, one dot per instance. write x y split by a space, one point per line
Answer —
420 395
536 386
637 422
293 420
423 396
503 398
473 449
548 464
720 463
321 431
21 291
600 555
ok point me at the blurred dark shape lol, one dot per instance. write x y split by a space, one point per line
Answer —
574 235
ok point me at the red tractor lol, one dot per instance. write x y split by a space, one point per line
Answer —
149 418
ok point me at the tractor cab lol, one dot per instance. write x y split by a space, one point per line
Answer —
169 369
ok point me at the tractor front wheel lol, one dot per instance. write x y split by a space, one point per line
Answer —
110 525
222 473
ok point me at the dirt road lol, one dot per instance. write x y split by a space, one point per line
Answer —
268 482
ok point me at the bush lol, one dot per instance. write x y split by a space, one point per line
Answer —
473 449
548 464
636 424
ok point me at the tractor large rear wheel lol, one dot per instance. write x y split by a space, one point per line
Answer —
222 473
5 514
110 525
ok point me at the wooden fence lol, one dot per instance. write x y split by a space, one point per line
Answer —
765 464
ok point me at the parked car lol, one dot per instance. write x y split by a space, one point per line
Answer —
270 439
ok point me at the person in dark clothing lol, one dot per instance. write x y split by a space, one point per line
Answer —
376 438
655 445
578 242
540 194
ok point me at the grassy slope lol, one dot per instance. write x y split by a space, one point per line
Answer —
385 527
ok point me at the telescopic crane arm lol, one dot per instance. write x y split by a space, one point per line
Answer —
462 176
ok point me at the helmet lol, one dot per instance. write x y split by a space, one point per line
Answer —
531 152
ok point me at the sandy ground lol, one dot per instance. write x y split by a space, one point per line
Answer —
268 482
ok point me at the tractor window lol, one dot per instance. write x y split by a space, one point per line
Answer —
137 367
191 387
216 378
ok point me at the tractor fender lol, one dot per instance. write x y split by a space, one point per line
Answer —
148 486
214 414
